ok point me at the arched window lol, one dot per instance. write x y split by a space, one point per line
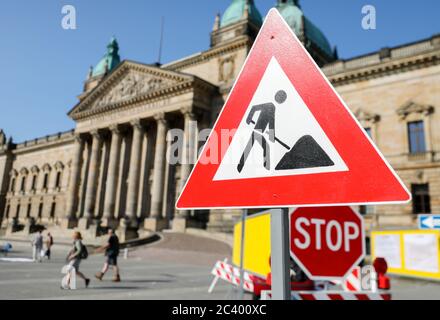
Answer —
29 208
59 167
17 214
7 211
46 180
23 174
35 172
23 184
12 185
34 182
40 211
14 175
46 170
58 180
52 210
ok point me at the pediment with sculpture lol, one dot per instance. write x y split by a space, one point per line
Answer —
129 83
132 85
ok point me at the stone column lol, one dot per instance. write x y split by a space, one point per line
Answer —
92 181
156 222
109 219
189 146
102 178
169 183
147 163
134 174
72 194
180 222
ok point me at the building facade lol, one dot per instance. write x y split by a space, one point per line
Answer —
112 169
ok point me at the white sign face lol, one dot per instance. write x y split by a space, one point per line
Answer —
388 247
323 235
298 146
421 252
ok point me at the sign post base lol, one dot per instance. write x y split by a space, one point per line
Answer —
280 254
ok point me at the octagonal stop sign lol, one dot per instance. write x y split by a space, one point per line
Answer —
327 242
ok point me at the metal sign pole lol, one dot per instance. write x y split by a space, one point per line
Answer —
243 231
280 254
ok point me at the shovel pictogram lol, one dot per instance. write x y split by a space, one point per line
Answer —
306 153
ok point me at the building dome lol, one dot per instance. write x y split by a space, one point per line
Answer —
294 16
236 12
110 60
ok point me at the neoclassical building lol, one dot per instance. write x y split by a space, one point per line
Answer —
111 170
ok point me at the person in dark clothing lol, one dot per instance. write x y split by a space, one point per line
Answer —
111 252
266 120
49 244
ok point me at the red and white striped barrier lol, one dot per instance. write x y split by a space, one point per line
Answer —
332 295
231 274
353 283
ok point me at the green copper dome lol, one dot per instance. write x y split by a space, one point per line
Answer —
236 11
292 13
110 60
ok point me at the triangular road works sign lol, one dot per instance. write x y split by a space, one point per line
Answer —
285 138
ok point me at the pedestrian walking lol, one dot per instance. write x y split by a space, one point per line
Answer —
78 253
49 244
7 247
111 252
37 247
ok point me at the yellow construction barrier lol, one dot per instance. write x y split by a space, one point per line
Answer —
256 244
409 253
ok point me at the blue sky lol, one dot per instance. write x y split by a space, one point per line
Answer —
44 66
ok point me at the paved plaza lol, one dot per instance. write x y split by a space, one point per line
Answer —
177 267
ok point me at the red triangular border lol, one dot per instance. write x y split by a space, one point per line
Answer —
370 179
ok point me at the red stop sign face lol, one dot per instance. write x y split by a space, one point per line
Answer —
327 242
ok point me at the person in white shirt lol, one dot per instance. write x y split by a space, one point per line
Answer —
37 247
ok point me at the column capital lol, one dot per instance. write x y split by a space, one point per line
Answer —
115 129
160 117
78 138
96 135
136 124
188 113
